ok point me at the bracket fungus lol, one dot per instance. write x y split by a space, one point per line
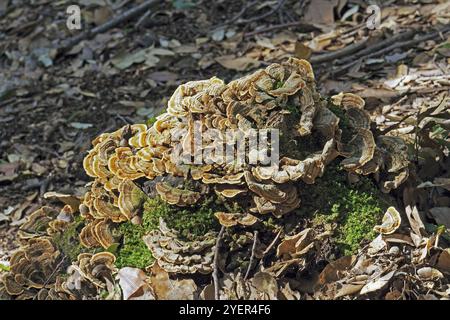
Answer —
275 97
177 256
390 223
298 134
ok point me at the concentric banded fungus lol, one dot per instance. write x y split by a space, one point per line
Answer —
177 256
37 223
390 223
280 101
32 268
232 219
91 274
280 95
97 233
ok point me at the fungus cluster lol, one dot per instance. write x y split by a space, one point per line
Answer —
137 162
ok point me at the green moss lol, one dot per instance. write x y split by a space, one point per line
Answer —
68 242
191 222
344 122
4 268
362 212
151 121
355 209
294 110
278 84
133 252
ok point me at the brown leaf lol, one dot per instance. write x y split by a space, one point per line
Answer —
238 64
320 12
133 283
168 289
302 51
334 270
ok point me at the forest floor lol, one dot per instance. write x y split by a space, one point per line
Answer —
54 100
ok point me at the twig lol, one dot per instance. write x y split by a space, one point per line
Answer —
273 242
379 45
216 264
123 119
340 53
252 257
143 18
8 10
305 26
382 49
125 16
58 266
238 15
264 15
410 43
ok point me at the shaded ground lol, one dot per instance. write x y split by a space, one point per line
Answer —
53 103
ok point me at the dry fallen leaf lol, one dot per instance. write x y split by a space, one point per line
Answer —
133 283
302 51
168 289
238 64
377 283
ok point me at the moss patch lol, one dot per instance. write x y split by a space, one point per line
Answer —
151 121
344 122
133 252
355 209
68 242
191 221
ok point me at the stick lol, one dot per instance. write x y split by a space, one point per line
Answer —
410 43
340 53
125 16
216 264
379 45
142 19
264 15
58 266
252 257
238 15
369 52
305 26
8 10
272 243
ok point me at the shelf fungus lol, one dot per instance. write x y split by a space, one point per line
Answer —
206 135
175 255
92 274
384 155
32 268
237 153
390 223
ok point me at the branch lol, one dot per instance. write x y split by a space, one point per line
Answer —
264 15
125 16
379 45
348 50
252 257
381 48
306 28
270 246
216 264
238 15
